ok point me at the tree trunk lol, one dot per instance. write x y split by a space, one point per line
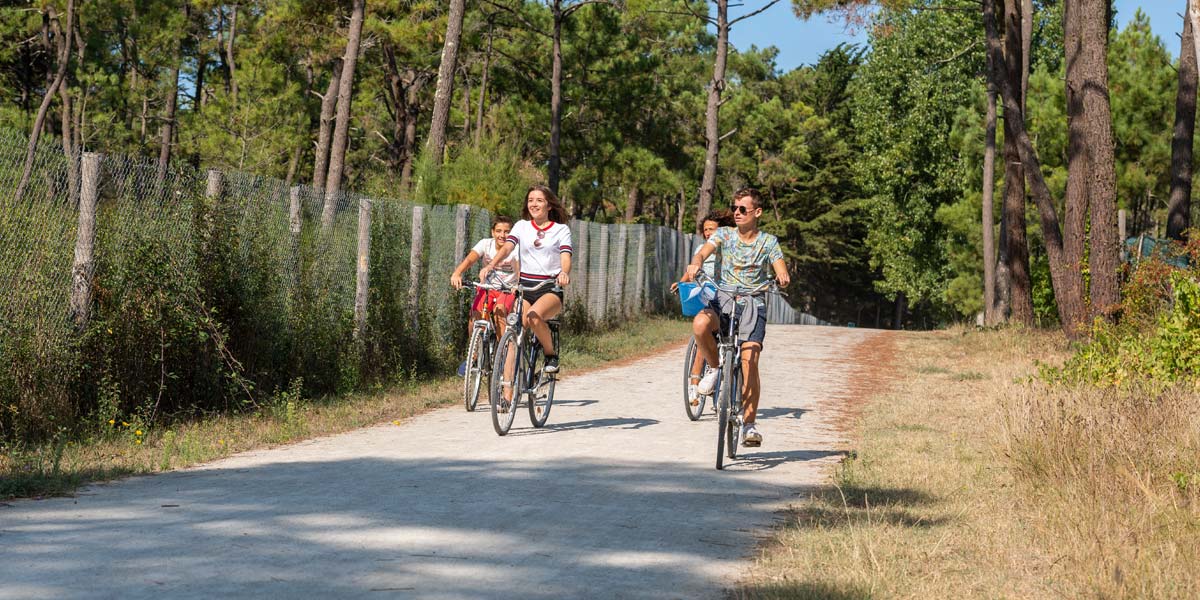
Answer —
487 67
1179 207
445 82
1020 292
633 204
1075 203
989 178
555 97
712 110
63 41
233 85
1033 172
1026 48
68 144
167 128
1104 252
325 129
341 131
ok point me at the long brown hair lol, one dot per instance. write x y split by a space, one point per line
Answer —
557 213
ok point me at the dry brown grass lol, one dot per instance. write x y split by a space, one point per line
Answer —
971 480
132 448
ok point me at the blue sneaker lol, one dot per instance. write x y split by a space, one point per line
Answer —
462 369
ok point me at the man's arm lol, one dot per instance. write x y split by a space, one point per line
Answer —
698 261
781 273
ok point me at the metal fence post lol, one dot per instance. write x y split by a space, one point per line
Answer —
84 266
414 266
362 276
601 294
639 289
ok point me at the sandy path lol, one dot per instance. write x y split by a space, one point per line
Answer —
616 498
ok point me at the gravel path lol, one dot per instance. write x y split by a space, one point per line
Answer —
616 498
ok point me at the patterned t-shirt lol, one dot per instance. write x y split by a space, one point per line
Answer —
747 265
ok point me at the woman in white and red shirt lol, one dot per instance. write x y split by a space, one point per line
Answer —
544 241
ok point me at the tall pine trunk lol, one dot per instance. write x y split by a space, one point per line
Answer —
341 131
325 126
1180 205
1075 202
483 85
445 81
990 316
1104 251
1016 251
555 163
708 182
167 128
63 43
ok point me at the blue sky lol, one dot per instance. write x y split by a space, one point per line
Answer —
802 42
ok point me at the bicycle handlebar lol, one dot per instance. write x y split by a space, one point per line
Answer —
768 287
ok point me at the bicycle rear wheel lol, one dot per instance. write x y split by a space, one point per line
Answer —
505 382
541 394
693 411
474 374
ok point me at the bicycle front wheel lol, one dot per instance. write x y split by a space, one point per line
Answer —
474 374
541 397
693 410
505 387
723 412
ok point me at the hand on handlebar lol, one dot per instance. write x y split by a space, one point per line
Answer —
563 279
456 281
690 273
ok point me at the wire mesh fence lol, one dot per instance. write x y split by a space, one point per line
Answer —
131 290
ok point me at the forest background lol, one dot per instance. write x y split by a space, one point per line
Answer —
871 159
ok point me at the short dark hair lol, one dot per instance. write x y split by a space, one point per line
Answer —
755 196
498 219
722 217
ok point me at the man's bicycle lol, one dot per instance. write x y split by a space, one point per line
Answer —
729 352
480 349
517 369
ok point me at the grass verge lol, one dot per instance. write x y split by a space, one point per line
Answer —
972 479
59 467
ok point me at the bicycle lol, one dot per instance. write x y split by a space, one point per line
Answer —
528 379
480 349
729 381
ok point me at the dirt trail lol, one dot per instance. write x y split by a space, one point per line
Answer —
616 498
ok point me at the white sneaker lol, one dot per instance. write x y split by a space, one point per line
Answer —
693 395
750 436
708 383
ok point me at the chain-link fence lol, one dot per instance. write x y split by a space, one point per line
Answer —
134 291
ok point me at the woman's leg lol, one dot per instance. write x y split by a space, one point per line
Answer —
547 307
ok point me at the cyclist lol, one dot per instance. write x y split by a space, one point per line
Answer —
745 254
715 219
499 302
544 240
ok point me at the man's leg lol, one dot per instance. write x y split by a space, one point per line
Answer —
751 386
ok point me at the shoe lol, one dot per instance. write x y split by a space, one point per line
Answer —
693 395
462 369
751 438
551 365
708 383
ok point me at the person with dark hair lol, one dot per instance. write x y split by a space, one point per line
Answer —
499 303
544 240
714 220
746 254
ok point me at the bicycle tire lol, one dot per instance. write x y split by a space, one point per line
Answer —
693 412
539 407
733 431
474 374
723 410
502 421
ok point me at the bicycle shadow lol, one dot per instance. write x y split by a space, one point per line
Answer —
602 423
782 411
762 461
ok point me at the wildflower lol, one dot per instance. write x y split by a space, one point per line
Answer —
137 441
124 424
111 422
395 422
138 432
221 442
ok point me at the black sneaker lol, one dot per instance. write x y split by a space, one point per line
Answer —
551 365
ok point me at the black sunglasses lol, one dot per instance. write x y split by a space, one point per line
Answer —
741 209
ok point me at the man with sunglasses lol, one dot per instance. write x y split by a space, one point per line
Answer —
746 253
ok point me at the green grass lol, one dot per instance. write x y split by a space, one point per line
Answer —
60 466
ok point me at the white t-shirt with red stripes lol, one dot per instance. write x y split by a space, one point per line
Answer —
541 248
